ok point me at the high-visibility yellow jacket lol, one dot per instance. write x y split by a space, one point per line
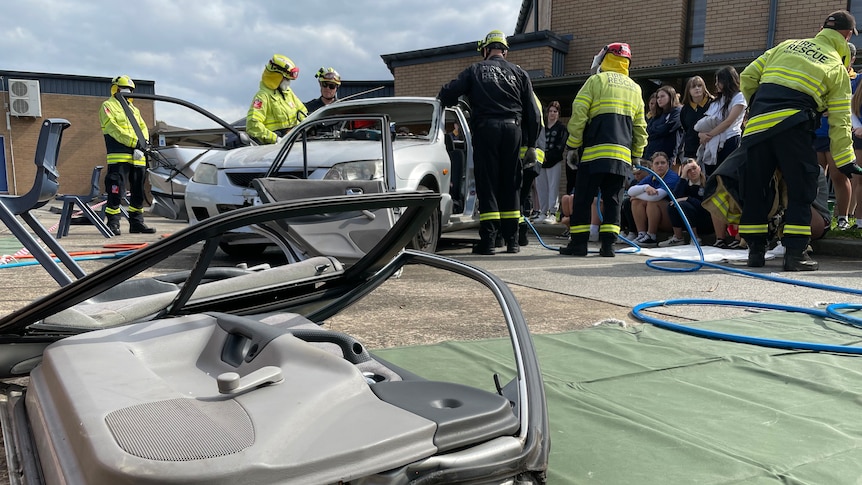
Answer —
120 137
608 120
793 83
273 110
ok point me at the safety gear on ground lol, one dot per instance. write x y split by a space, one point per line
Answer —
851 169
328 75
283 65
572 159
136 224
618 49
530 158
494 40
137 155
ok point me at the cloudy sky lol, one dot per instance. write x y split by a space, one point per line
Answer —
212 52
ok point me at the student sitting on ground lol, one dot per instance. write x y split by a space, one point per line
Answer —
689 193
650 199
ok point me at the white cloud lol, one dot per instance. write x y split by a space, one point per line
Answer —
212 53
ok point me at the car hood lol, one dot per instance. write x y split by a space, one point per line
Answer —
321 153
252 157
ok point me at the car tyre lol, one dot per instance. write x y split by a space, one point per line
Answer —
429 235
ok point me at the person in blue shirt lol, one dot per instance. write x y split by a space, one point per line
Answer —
650 198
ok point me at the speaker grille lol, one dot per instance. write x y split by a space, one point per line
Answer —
182 429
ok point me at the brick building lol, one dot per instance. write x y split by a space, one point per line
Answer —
671 40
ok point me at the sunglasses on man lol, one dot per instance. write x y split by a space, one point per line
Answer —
329 85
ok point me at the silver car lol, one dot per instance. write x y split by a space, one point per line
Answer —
425 158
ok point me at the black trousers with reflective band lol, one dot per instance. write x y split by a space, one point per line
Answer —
498 176
115 185
587 187
792 153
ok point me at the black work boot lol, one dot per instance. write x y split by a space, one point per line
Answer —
799 262
523 229
756 253
137 226
114 224
796 256
608 239
498 241
574 249
512 245
484 248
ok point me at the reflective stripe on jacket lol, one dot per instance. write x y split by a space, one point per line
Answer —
272 110
795 81
120 137
608 118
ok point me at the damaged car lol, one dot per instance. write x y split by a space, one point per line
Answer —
148 372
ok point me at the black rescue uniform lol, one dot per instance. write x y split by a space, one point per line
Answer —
787 88
502 108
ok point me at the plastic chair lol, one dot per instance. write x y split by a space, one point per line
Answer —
83 203
44 189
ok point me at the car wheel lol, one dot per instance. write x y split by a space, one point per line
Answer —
243 250
428 236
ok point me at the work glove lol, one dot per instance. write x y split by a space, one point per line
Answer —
851 169
277 138
572 158
529 158
138 155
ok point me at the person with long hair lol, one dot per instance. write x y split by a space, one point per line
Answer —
650 199
722 135
695 101
689 193
664 131
548 180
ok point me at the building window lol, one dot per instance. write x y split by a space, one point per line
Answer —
697 29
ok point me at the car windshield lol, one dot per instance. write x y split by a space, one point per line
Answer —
413 119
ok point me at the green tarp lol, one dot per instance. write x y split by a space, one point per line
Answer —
643 405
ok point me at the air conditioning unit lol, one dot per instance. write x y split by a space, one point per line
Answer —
24 98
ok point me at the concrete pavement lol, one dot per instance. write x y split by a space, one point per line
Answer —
558 283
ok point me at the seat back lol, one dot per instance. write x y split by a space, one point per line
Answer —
95 188
45 184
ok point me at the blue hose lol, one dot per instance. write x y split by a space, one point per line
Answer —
831 313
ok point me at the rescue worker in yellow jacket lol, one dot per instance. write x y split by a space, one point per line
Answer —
275 108
787 89
529 172
125 159
608 127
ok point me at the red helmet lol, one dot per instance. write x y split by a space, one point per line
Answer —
620 49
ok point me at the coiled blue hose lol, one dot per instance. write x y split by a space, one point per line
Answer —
832 312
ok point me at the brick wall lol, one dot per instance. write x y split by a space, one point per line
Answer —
82 148
427 79
655 30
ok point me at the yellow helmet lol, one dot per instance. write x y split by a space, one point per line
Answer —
284 66
328 75
123 82
494 39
